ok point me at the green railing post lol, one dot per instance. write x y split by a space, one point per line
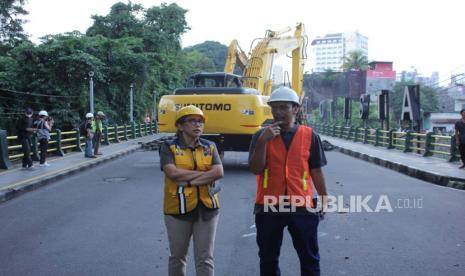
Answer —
334 130
133 128
453 149
356 134
151 127
4 160
391 139
125 132
105 135
145 129
428 146
365 135
34 149
59 151
78 140
349 134
140 129
408 141
377 136
116 133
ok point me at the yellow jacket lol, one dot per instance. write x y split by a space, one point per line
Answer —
181 200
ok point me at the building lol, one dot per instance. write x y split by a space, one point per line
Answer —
380 76
441 122
328 52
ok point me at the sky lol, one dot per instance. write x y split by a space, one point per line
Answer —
426 35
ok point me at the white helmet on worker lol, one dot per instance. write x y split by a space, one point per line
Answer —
284 94
101 114
89 115
43 113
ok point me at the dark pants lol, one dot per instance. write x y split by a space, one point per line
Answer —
96 142
303 229
26 148
462 152
43 145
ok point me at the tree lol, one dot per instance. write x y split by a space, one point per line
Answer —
120 22
355 60
11 29
212 50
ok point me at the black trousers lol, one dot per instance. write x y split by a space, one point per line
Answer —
462 152
43 145
26 148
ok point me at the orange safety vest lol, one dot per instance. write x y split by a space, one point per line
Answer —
287 171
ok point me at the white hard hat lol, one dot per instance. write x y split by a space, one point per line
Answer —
284 94
100 113
43 113
89 115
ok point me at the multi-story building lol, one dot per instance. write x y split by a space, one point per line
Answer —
328 52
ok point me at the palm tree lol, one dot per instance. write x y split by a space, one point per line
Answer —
355 61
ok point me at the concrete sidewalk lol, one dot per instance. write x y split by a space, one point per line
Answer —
16 181
431 169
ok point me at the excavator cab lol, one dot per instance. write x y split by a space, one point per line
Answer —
208 80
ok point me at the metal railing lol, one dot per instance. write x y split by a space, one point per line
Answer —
424 144
61 143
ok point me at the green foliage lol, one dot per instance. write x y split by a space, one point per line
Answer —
129 45
212 50
11 29
355 60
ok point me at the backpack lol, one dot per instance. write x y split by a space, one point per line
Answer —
83 129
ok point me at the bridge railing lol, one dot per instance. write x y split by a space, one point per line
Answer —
64 142
424 144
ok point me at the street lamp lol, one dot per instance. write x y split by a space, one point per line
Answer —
91 91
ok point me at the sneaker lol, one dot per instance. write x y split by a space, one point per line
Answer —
44 165
31 168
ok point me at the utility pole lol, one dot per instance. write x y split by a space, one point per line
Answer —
91 91
131 104
154 115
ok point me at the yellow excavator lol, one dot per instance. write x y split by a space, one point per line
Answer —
236 106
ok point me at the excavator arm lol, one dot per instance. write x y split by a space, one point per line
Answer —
259 69
235 55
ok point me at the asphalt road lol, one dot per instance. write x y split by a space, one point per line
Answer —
108 221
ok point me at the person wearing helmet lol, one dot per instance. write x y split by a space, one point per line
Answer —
286 194
97 128
191 166
44 126
89 134
25 128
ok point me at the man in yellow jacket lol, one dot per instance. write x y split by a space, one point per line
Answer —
191 166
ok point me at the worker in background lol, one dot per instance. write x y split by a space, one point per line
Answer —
25 129
44 126
460 137
97 128
89 134
191 166
287 159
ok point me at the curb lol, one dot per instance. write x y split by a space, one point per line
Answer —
8 194
441 180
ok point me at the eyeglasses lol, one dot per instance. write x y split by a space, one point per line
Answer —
194 122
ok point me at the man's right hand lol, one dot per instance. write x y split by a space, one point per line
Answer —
270 132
